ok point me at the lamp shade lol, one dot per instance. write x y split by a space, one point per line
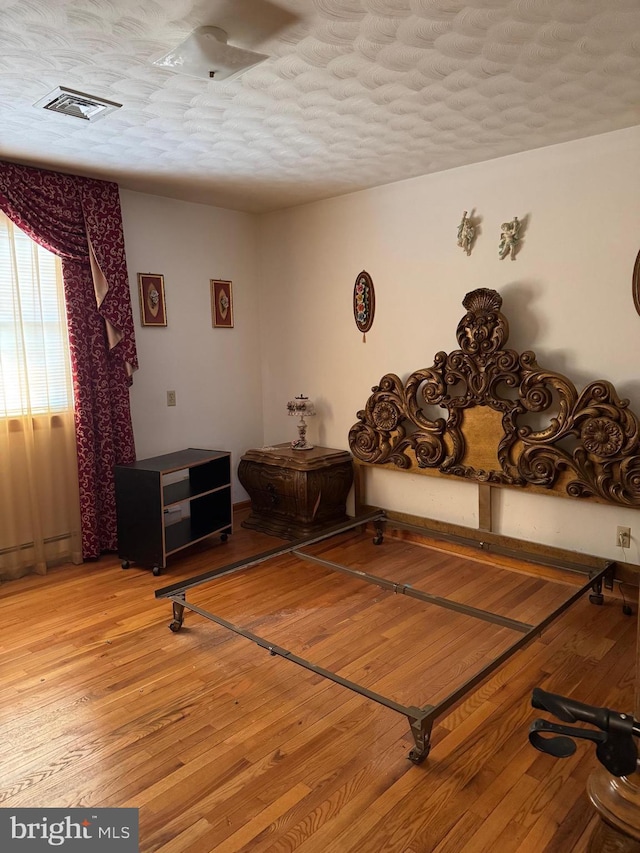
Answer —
205 53
301 406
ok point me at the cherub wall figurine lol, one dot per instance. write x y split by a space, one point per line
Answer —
466 233
509 236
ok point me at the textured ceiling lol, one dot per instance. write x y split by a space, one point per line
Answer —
357 93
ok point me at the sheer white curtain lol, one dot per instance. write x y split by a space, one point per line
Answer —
39 503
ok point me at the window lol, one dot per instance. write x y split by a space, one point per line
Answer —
39 503
34 354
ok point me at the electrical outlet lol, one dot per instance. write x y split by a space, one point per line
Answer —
171 398
623 537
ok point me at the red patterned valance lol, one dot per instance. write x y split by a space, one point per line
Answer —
79 219
76 218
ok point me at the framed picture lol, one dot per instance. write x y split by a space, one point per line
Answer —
153 311
222 304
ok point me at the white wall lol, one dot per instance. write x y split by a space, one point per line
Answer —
567 296
215 372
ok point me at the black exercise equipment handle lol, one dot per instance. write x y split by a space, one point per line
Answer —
570 711
616 748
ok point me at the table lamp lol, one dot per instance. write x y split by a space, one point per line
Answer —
301 407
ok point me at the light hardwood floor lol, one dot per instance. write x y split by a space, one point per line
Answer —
225 748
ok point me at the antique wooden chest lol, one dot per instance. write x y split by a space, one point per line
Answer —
295 492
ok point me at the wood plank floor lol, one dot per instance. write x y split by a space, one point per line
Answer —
225 748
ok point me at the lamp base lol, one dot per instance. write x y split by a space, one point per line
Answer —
617 801
301 444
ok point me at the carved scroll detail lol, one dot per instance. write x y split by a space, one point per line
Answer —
591 440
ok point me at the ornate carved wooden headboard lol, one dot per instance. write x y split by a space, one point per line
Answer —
492 415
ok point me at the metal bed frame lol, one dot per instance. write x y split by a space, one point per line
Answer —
421 718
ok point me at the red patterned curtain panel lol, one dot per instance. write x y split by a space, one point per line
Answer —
79 219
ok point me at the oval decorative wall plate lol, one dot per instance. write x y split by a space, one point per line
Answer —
364 302
635 283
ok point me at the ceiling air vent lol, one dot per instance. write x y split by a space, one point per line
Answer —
77 104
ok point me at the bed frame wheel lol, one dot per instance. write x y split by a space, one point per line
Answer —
596 596
224 537
156 571
125 564
421 726
178 612
417 756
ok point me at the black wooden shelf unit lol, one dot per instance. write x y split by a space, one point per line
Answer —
166 503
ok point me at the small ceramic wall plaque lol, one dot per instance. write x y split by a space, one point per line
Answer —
509 236
466 233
